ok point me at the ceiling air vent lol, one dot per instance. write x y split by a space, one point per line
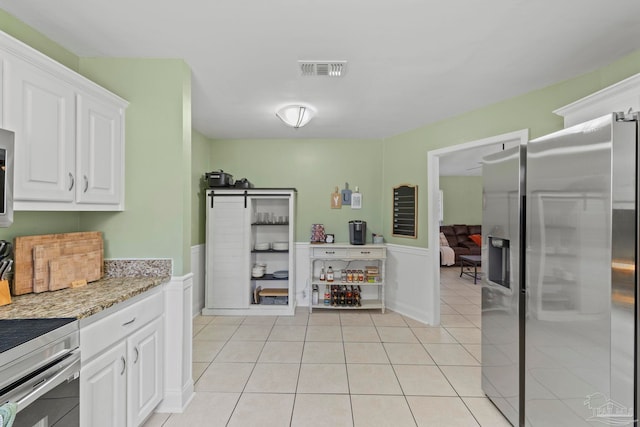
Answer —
323 68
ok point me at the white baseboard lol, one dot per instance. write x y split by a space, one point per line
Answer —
409 311
176 402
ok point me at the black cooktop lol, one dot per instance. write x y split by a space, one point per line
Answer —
14 332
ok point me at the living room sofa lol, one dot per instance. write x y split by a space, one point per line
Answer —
458 237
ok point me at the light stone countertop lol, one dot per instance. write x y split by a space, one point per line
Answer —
123 279
79 302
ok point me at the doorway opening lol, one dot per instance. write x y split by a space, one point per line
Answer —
476 150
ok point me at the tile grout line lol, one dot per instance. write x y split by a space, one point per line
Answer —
343 322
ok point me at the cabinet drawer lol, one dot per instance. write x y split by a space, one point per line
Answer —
98 336
328 253
367 253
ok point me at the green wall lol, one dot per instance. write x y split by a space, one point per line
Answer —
462 199
37 40
164 208
314 167
532 111
157 217
200 163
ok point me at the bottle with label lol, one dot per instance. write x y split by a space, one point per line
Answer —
315 295
329 274
327 295
322 275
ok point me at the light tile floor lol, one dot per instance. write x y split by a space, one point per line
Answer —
339 368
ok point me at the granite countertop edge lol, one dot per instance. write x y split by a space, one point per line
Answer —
80 302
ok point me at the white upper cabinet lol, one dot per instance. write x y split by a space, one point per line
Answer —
69 134
40 110
100 151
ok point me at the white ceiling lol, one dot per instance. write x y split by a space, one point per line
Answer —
410 62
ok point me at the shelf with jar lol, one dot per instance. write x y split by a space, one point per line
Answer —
347 277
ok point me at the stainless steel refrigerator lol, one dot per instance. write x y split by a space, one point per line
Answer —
559 312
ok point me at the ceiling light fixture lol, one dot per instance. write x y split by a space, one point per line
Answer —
295 116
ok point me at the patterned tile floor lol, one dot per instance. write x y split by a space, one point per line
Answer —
359 368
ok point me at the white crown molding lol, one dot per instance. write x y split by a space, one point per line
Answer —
618 97
25 52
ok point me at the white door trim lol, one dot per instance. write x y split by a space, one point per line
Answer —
433 176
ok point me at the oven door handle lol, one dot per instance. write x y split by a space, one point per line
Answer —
32 390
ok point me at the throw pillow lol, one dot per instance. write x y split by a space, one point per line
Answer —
477 239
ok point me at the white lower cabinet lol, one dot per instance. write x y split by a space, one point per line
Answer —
144 373
103 389
121 379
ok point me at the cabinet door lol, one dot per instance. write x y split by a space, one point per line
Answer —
145 383
103 389
99 151
42 115
227 253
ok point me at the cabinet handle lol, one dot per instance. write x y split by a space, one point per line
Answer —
365 252
86 184
137 354
124 365
73 181
129 322
330 252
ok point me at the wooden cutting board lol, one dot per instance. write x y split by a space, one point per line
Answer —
23 282
66 269
43 254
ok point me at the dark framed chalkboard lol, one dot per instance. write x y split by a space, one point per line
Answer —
405 211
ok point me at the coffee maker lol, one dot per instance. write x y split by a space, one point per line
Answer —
357 232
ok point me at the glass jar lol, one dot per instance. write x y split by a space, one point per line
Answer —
329 274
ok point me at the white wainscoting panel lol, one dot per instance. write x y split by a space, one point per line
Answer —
409 289
197 268
178 378
302 273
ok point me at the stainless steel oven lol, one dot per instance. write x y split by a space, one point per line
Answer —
40 371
